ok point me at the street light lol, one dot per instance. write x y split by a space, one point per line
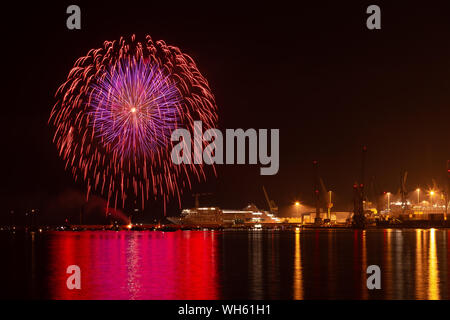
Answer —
297 205
389 201
432 193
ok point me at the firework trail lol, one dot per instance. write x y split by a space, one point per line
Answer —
116 111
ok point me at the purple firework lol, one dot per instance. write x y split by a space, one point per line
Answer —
135 107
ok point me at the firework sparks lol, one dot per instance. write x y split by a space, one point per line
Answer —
135 108
116 111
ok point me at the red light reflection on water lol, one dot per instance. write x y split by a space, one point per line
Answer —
135 265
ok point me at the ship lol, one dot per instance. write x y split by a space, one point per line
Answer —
217 217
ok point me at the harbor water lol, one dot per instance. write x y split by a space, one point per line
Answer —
254 264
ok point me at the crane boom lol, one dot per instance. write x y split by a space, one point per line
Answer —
403 190
272 206
324 189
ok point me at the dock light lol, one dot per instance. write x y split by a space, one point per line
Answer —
130 226
432 193
297 205
389 201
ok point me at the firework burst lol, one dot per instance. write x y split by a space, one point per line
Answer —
116 111
135 108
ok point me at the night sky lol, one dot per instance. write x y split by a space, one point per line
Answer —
313 70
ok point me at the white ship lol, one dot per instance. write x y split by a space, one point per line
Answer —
214 216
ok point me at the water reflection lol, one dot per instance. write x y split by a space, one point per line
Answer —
419 266
298 277
388 261
364 266
273 262
256 264
331 261
433 280
132 262
399 282
135 265
300 264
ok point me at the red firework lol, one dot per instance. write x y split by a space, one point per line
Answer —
114 115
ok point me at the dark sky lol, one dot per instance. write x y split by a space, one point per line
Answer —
312 70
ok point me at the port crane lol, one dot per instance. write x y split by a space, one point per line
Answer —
321 191
359 219
403 190
375 194
273 208
447 193
317 219
329 203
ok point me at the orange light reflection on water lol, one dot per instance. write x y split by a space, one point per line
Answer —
298 277
433 275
